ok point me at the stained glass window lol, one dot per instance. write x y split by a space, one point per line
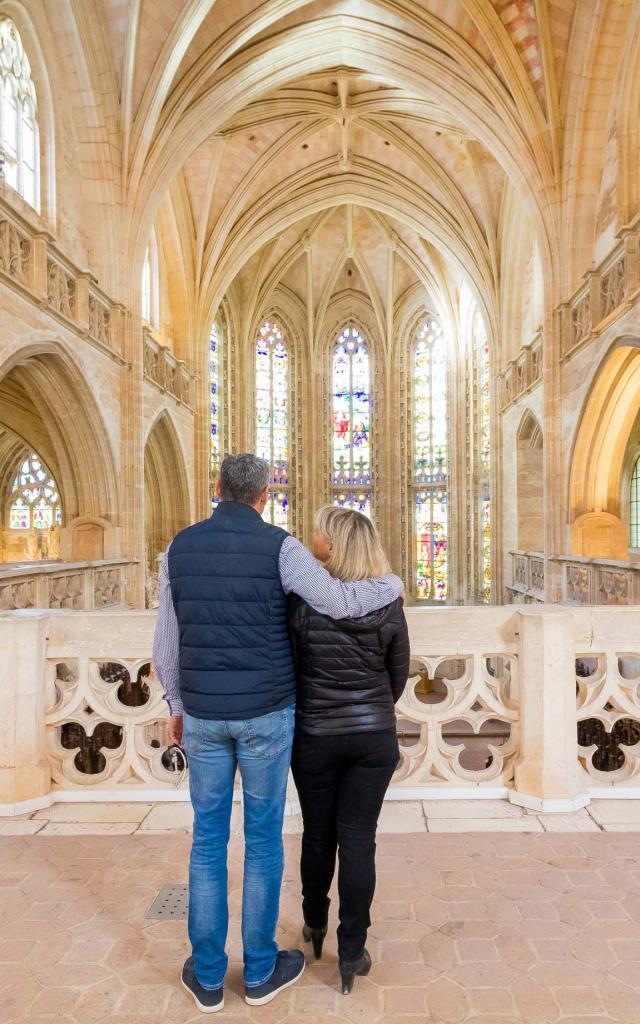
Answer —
272 416
484 449
430 469
18 116
34 502
214 406
634 507
351 411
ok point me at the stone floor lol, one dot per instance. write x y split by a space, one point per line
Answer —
403 816
488 928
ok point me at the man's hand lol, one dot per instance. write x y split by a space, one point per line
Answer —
175 730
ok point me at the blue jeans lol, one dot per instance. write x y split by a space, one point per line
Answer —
262 749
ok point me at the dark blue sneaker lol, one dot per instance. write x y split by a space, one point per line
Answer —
209 1000
289 967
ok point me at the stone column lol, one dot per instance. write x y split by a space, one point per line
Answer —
547 774
132 459
25 775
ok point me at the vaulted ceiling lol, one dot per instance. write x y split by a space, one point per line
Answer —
253 133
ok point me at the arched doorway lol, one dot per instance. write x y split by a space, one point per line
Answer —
599 456
48 410
167 505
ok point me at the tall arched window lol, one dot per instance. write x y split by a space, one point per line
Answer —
18 116
34 502
430 461
351 412
483 363
272 416
634 507
215 383
150 284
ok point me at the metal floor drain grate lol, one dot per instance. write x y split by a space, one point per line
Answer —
171 904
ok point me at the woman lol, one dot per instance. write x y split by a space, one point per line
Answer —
349 673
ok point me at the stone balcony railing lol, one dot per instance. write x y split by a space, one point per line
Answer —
490 708
522 374
527 577
78 586
587 581
31 261
607 291
166 372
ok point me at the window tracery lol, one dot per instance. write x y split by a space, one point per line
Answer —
272 417
34 501
19 140
215 384
430 461
351 482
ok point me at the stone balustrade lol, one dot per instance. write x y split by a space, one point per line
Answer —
490 709
31 260
166 372
527 577
587 581
522 374
607 290
78 586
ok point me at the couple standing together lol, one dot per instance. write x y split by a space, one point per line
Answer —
261 681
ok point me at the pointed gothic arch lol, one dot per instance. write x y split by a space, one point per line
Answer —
530 483
46 400
167 504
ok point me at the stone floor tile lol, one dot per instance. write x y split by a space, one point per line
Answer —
471 809
168 817
490 1001
107 811
88 828
578 999
620 1001
618 826
504 824
145 999
607 812
473 950
536 1004
403 1001
20 826
400 816
57 1001
446 1001
575 821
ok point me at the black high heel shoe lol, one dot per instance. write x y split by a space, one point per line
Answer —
316 937
349 969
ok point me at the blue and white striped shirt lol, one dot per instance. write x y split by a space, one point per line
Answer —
300 573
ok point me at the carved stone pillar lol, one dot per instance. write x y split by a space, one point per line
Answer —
547 776
25 775
132 459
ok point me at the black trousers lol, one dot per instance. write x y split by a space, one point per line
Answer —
341 782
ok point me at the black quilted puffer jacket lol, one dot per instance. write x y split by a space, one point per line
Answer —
349 672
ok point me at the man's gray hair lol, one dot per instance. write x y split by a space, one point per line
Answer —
243 478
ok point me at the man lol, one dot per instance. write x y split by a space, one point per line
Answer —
222 653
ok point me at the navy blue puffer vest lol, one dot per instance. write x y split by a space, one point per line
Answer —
235 656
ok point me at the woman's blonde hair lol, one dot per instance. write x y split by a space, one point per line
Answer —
356 553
